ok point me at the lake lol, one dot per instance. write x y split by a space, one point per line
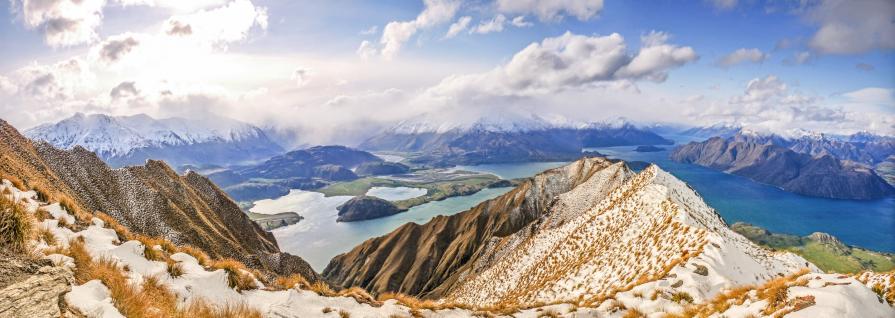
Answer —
869 224
318 237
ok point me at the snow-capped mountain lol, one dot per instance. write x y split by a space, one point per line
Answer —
506 138
128 140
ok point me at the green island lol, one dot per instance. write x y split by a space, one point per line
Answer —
439 185
822 249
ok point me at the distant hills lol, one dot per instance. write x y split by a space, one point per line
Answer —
504 140
815 172
309 168
131 140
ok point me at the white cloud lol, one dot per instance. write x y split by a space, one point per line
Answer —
396 33
461 25
116 47
520 22
564 62
494 25
552 10
760 90
799 58
219 26
851 27
873 96
742 56
63 22
366 50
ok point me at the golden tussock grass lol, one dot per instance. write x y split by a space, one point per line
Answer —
548 314
16 225
360 295
633 313
322 289
203 309
46 235
237 277
344 314
16 182
291 281
42 214
174 269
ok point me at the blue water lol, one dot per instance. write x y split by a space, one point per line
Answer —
869 224
318 237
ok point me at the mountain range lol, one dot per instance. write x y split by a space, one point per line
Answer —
592 238
500 140
761 158
131 140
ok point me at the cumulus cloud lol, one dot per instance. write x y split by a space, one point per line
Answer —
494 25
114 48
177 28
851 27
63 22
461 25
218 26
565 62
760 90
741 56
396 33
366 50
552 10
124 90
873 96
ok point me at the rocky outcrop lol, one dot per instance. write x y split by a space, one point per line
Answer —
32 288
273 221
152 199
821 176
365 208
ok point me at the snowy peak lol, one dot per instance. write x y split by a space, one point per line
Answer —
132 139
504 122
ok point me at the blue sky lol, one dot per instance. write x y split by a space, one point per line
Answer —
302 64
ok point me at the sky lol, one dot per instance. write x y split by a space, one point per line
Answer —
336 71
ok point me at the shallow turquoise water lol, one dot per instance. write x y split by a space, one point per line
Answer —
869 224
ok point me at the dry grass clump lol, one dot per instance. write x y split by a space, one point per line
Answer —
633 313
15 225
548 314
42 214
196 253
16 182
149 250
360 295
681 297
237 277
69 205
322 289
6 191
202 309
344 314
46 235
174 269
291 281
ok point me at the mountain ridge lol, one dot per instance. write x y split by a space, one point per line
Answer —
131 140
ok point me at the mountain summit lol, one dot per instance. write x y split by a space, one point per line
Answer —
131 140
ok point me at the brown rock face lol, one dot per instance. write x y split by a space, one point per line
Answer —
31 288
151 200
424 260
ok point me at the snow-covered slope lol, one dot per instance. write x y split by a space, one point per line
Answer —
619 244
123 140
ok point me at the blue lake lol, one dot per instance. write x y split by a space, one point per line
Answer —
869 224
